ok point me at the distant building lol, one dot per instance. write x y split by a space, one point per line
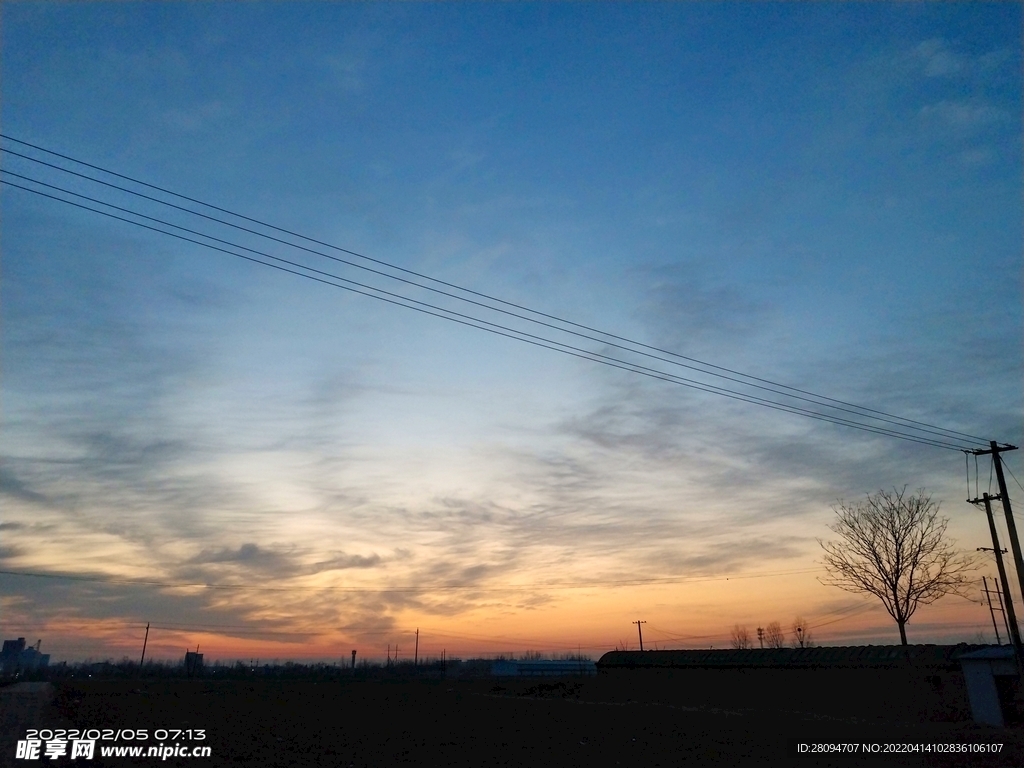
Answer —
15 657
543 668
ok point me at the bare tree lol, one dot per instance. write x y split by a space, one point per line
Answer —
802 637
894 546
740 637
774 636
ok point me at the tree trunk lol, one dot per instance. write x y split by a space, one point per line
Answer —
903 631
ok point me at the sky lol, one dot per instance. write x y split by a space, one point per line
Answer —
822 195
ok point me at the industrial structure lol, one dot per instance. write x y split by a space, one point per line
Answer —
16 658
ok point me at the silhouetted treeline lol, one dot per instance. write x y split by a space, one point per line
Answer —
239 670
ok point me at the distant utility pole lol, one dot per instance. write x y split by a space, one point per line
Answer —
760 636
1011 616
991 610
353 659
999 597
640 632
145 640
416 653
1006 622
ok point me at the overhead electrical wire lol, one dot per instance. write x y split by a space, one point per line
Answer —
842 614
588 353
775 388
472 321
420 275
1007 468
505 331
905 429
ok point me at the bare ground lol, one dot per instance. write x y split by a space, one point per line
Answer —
583 722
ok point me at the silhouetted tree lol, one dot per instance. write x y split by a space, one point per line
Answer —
740 637
801 634
894 546
774 636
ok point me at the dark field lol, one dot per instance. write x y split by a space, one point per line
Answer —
581 722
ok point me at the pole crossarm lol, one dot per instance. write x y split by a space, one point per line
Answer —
994 449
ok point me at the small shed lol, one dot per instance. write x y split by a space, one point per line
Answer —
992 681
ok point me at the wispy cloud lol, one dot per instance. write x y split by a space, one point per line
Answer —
964 117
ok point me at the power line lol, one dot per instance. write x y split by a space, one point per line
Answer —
774 387
520 335
486 325
843 614
511 333
1007 468
855 410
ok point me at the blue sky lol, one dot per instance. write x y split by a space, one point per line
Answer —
826 195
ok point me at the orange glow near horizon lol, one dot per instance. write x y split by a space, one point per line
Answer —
590 621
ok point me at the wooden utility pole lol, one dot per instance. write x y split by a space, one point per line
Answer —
1004 496
639 632
1011 616
416 653
146 640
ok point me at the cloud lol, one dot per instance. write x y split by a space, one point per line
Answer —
346 71
342 562
249 555
937 59
690 309
9 552
976 157
205 116
12 486
963 116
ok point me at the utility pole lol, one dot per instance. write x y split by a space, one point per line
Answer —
760 636
640 632
353 659
416 653
146 640
1004 496
1011 616
991 611
999 597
